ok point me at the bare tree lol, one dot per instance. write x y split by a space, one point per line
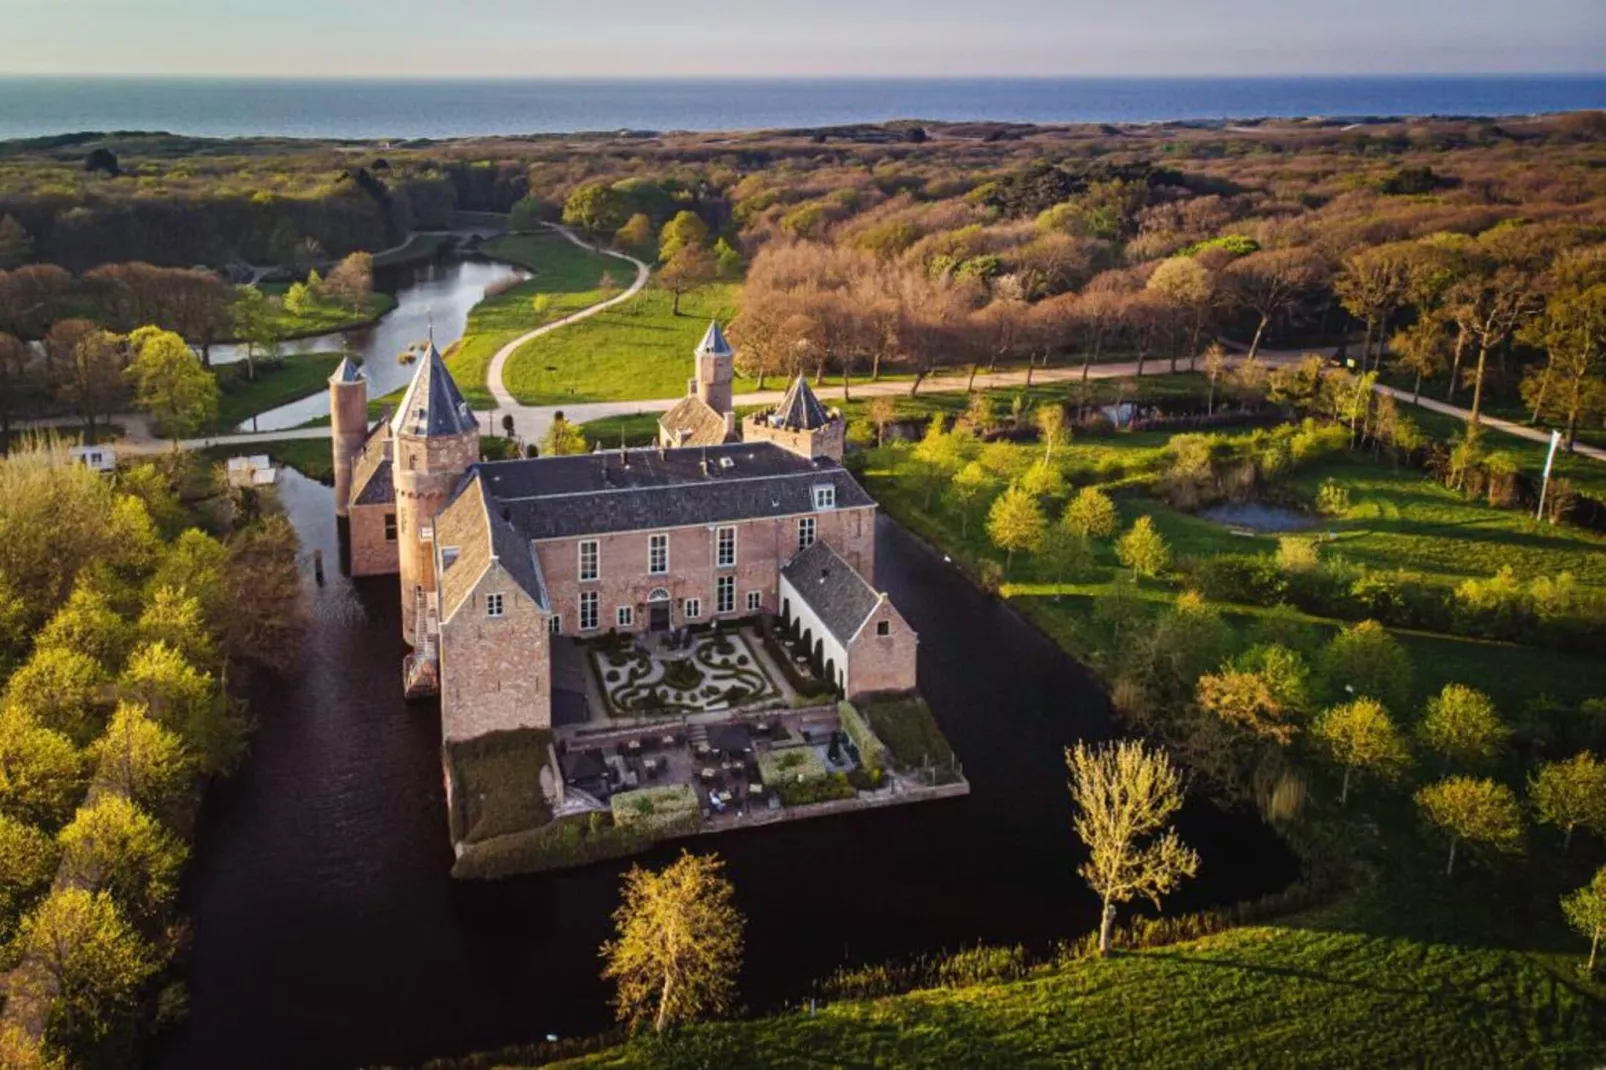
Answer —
1273 283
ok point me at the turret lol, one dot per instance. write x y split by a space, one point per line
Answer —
799 424
436 439
348 419
716 367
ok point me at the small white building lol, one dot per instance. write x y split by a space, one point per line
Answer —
256 471
100 458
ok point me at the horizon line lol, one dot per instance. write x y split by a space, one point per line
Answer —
781 78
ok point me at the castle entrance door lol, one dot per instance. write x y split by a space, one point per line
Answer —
658 610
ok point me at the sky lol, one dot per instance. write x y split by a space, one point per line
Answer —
713 38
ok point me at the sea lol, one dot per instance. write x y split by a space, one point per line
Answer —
411 109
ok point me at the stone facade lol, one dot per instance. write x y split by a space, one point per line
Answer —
426 470
495 671
878 662
372 539
762 548
827 441
348 422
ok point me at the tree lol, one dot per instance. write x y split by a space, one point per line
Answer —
170 383
142 758
16 246
1191 288
938 454
1065 554
527 214
597 208
1050 417
176 617
1461 725
1015 523
257 323
1570 793
1420 350
686 230
91 382
691 269
678 944
1478 812
113 846
1489 302
1245 701
636 232
1091 514
1272 283
1043 480
727 261
1364 660
88 625
186 701
563 438
1143 549
1372 285
60 689
17 382
352 281
41 773
1585 910
1215 363
1575 337
970 487
28 859
1125 797
882 412
263 585
1360 737
88 966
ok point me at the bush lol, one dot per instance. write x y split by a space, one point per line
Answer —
818 789
612 676
1242 578
568 841
873 753
1332 499
683 675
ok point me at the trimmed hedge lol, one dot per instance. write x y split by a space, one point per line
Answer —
873 753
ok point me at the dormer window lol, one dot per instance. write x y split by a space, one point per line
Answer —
448 556
825 496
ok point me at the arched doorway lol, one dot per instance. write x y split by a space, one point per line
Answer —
658 610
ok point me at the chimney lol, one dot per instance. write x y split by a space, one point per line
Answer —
730 424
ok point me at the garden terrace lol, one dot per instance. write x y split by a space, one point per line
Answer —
715 671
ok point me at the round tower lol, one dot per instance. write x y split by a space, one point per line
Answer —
716 368
348 419
435 439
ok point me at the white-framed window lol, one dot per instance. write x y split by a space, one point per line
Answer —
755 601
825 496
725 541
493 604
725 594
658 555
588 611
625 616
589 569
555 625
883 627
691 608
805 532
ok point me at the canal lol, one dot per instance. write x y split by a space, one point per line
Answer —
328 933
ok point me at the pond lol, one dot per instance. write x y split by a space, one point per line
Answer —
1260 516
442 291
328 933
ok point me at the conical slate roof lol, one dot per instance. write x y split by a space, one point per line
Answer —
433 405
713 343
346 371
799 409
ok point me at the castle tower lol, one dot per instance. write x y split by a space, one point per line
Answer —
348 416
799 424
436 440
716 367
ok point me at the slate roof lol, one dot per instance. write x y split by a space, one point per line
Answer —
599 493
837 594
433 405
473 525
693 422
372 481
347 371
713 343
799 409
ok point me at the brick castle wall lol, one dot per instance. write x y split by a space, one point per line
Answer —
495 671
371 553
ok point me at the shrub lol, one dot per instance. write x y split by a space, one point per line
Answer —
830 787
1242 578
612 676
1297 554
873 753
1332 499
683 675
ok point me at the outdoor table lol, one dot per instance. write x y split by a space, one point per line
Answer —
668 741
634 746
707 773
650 764
703 749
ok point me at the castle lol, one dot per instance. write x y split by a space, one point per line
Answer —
499 560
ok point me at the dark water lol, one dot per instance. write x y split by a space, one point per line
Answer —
440 292
31 107
329 934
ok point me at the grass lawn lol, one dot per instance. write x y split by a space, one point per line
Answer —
638 349
278 381
1588 476
638 428
561 269
496 784
324 317
910 732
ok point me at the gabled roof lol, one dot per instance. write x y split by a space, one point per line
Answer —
473 526
693 422
433 405
799 409
713 343
347 371
838 595
372 479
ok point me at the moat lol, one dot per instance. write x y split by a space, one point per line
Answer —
328 932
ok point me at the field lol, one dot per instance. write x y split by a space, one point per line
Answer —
324 316
635 350
278 381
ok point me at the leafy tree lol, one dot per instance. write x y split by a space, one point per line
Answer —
1481 813
1143 550
528 213
92 381
186 701
1366 661
1246 701
1360 737
1215 365
113 846
20 1051
143 758
1043 480
1065 554
883 410
352 281
257 323
1092 514
264 583
1571 793
1015 523
596 208
938 454
685 231
727 261
88 625
1420 350
678 943
1272 283
1125 797
1585 910
1462 726
175 617
28 859
170 383
1574 335
59 689
692 268
42 775
970 487
563 438
88 966
636 233
1050 418
16 246
18 379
